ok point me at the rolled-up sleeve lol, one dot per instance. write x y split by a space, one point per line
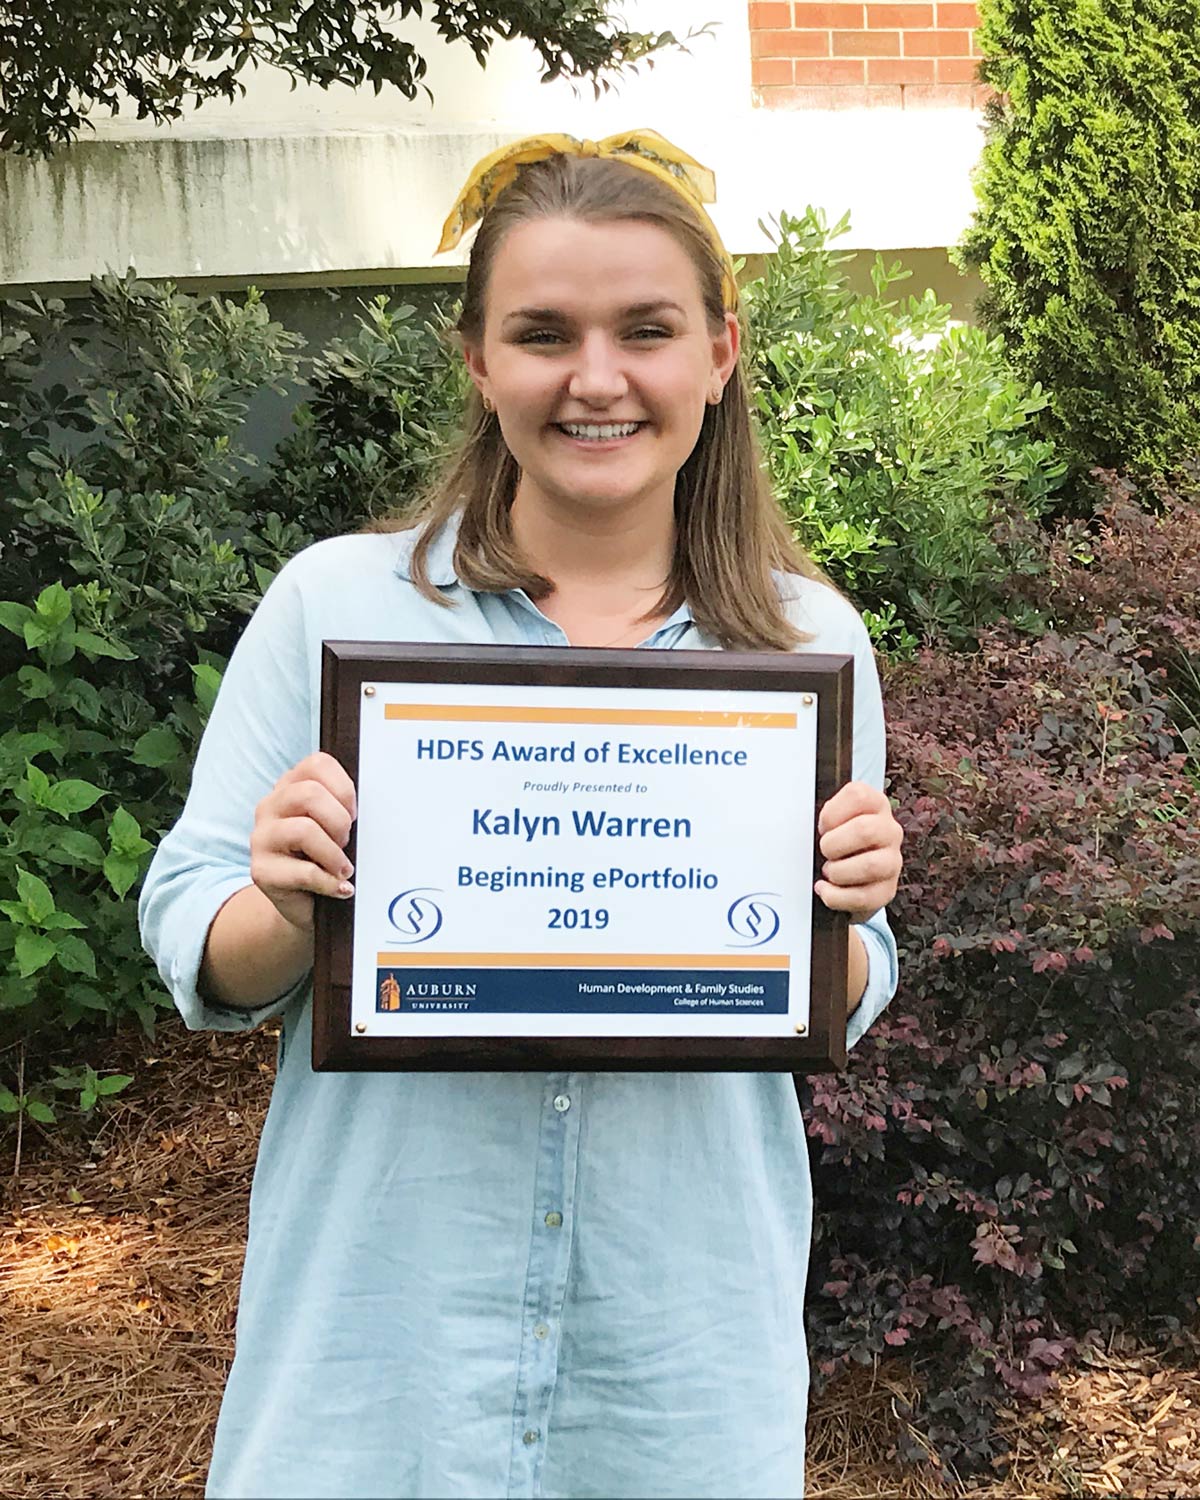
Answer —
261 725
869 765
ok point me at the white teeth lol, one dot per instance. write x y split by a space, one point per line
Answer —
596 432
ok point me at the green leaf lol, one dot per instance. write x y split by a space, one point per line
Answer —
33 952
92 742
84 698
37 632
16 993
36 1110
121 871
25 746
87 1099
94 645
35 893
9 1103
35 683
53 642
54 604
125 834
157 747
73 847
15 617
76 957
38 783
147 1014
90 999
114 1083
62 921
67 797
208 680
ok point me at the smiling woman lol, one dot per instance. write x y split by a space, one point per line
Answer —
600 328
600 395
527 1284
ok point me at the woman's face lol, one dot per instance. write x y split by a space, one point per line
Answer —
599 360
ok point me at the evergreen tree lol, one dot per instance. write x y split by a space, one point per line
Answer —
1088 228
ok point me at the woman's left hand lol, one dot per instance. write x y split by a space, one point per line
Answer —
860 843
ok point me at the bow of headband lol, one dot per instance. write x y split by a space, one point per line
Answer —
644 149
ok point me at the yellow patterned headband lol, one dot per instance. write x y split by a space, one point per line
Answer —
644 149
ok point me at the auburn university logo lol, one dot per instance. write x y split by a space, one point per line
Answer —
389 993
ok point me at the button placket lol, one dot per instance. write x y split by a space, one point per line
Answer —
546 1280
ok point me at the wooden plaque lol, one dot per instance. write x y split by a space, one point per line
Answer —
583 859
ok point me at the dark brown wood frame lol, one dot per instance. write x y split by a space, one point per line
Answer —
347 665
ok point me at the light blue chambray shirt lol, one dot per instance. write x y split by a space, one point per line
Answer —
493 1284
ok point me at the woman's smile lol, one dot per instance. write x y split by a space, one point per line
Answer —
600 434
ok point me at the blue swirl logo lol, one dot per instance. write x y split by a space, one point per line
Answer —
414 916
753 920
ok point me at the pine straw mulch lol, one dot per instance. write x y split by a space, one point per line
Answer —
120 1252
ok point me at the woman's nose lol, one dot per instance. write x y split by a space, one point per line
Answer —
598 376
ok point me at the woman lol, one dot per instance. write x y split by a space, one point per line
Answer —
524 1284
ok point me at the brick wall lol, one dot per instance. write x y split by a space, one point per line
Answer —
832 53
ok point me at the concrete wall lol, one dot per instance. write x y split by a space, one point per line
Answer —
294 187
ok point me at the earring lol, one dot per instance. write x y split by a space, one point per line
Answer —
488 404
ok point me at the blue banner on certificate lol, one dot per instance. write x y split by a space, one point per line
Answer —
553 861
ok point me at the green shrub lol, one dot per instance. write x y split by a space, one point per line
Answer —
1088 227
126 565
137 533
383 404
899 445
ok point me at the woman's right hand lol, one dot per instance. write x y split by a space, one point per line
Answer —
301 828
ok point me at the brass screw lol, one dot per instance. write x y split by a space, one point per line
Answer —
801 1029
368 692
807 700
361 1027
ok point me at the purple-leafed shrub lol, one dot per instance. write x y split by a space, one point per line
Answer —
1013 1158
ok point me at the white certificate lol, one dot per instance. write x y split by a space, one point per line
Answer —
587 861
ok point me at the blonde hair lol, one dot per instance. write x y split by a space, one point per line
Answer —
731 536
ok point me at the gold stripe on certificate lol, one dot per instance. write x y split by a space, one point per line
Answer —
484 713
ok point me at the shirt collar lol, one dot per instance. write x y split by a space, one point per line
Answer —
439 560
440 563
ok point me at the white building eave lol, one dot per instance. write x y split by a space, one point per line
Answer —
304 185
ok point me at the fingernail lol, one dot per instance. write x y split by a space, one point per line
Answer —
346 871
345 889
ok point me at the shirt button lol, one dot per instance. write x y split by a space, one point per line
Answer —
540 1331
530 1437
562 1103
554 1220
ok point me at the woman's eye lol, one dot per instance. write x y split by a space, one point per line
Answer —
651 331
540 336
